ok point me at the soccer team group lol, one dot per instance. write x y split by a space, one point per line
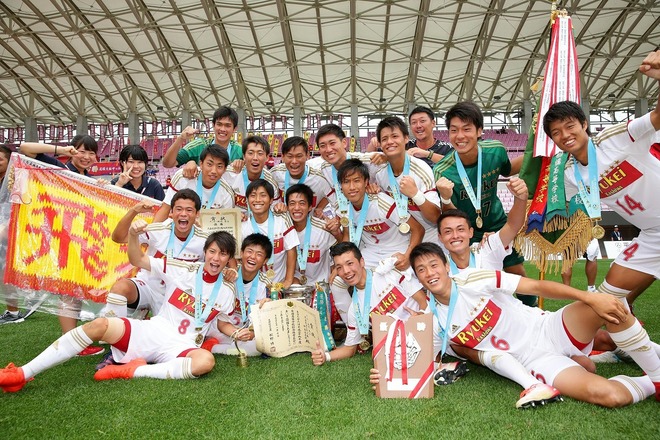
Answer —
415 227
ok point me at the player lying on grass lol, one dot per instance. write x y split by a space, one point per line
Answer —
483 315
170 340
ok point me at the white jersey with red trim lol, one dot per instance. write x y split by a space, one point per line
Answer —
628 157
235 317
284 238
318 254
237 184
491 254
488 317
423 177
178 309
157 237
381 237
390 292
315 180
223 199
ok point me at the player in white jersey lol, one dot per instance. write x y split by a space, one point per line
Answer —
627 170
251 291
170 340
281 266
407 179
253 166
176 238
374 224
214 192
380 291
294 169
313 252
484 315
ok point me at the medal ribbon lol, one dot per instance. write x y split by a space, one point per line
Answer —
169 250
590 197
355 233
444 334
287 178
454 269
240 287
400 199
476 200
342 201
302 252
271 231
214 192
201 315
363 319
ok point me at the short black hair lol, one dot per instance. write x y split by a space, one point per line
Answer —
426 248
260 183
187 194
467 112
76 139
454 213
225 241
261 240
256 140
293 142
300 188
215 151
561 111
135 152
226 112
5 151
422 109
345 246
87 142
392 122
330 129
351 166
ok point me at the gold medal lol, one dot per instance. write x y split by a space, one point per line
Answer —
270 273
303 279
364 345
479 222
597 231
404 228
344 221
199 339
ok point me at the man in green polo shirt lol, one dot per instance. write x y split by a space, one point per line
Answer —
225 120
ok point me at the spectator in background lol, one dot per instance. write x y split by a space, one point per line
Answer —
616 235
133 161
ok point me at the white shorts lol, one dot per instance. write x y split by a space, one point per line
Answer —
642 253
152 340
552 350
148 297
592 250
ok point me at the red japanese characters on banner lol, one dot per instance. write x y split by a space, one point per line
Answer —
60 132
309 122
272 121
144 129
251 118
2 135
120 133
111 130
318 120
340 119
41 132
69 132
154 128
51 132
92 130
19 133
10 135
283 122
102 128
207 122
163 127
175 125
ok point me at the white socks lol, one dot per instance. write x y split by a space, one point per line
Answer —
115 306
67 346
179 368
507 366
639 387
636 343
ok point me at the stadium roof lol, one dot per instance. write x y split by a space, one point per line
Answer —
62 58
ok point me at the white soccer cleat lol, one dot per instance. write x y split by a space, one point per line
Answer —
538 395
606 357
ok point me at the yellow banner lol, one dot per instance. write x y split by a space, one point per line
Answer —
59 231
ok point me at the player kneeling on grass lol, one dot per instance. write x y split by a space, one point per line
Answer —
196 296
542 341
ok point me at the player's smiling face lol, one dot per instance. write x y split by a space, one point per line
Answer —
433 273
455 234
299 207
294 161
463 135
212 170
259 201
350 269
422 126
570 136
223 129
354 187
253 258
255 158
183 216
392 141
215 259
332 149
